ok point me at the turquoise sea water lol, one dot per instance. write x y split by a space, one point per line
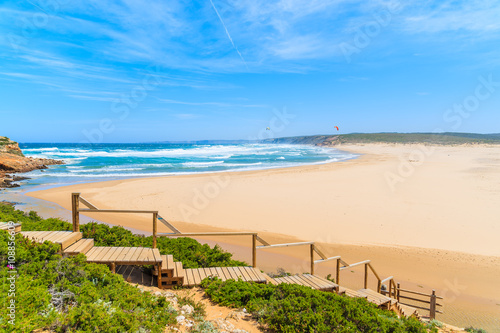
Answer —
116 161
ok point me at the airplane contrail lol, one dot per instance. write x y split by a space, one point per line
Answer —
227 33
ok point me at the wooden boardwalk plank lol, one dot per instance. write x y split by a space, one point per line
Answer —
143 257
116 254
270 280
157 255
307 282
71 239
261 276
252 275
170 261
226 273
91 252
103 253
135 255
297 280
112 254
251 272
190 275
179 270
187 278
312 282
125 253
94 252
198 276
103 257
244 274
202 273
49 236
62 237
39 235
52 236
151 256
220 274
233 273
207 272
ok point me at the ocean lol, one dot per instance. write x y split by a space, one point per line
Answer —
101 162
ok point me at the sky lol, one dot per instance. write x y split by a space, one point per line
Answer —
139 71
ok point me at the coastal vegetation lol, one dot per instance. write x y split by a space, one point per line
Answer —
294 308
71 295
448 138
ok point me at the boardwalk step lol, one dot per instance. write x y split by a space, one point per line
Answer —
9 226
71 239
82 246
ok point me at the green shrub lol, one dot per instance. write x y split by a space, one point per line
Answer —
69 295
294 308
475 330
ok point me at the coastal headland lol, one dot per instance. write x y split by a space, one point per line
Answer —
12 160
427 214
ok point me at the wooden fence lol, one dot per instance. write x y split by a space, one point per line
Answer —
430 300
393 291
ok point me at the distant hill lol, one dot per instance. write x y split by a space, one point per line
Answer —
207 142
427 138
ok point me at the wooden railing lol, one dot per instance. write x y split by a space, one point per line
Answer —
76 199
432 300
393 291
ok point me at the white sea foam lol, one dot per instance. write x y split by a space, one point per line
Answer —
201 164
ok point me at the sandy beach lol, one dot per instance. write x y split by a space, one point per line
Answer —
428 215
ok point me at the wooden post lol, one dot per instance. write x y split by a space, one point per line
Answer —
366 276
379 287
432 310
390 288
155 226
254 250
113 267
312 258
397 291
337 273
160 284
75 213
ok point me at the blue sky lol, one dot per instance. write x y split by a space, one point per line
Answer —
135 71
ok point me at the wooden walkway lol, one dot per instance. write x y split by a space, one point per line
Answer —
194 276
7 226
308 280
171 273
72 243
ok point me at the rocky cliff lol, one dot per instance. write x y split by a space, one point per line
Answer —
12 160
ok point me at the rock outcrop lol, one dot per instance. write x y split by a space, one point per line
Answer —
12 160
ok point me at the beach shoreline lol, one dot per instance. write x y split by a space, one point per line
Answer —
446 197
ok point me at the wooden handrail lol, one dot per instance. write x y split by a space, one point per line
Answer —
419 300
387 279
373 271
418 293
87 203
261 240
125 211
170 226
355 264
327 259
419 307
191 234
283 245
318 251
